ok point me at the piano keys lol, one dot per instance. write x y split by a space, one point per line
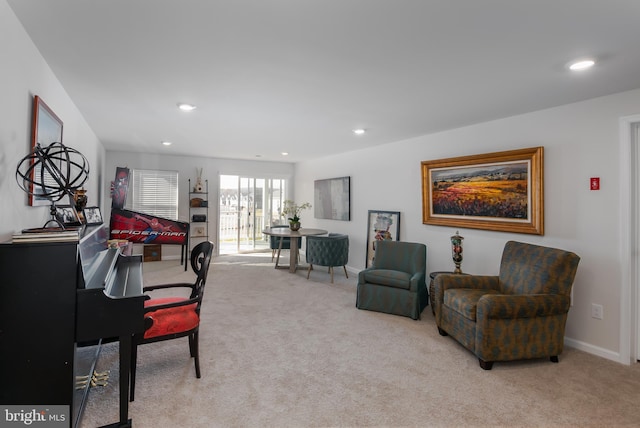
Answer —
55 298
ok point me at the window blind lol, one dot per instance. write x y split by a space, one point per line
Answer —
154 192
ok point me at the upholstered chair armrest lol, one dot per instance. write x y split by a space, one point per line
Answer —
362 273
452 280
509 306
445 281
416 280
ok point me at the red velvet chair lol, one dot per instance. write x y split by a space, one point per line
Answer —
168 318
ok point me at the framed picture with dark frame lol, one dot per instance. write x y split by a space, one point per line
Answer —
92 216
381 226
67 215
500 191
46 128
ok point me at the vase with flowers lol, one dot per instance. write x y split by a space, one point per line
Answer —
291 210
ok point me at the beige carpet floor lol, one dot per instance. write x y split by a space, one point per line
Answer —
278 350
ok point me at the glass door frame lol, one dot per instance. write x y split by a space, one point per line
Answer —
245 210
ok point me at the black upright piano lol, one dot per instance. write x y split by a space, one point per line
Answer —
58 302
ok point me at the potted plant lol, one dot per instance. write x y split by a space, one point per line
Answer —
292 211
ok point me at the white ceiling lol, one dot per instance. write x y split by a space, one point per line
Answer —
270 76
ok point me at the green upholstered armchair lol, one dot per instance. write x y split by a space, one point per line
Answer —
331 250
274 242
519 314
395 284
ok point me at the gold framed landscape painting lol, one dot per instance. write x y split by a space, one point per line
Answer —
500 191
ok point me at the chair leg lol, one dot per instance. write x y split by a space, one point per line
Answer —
195 352
279 250
273 254
442 332
554 358
331 272
486 365
309 270
132 380
345 271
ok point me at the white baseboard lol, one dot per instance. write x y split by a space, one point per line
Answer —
353 270
595 350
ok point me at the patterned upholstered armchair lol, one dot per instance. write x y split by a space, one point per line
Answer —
274 242
395 284
331 250
519 314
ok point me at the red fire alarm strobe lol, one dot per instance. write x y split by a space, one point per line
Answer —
595 183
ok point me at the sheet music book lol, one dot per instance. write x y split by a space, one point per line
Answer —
44 235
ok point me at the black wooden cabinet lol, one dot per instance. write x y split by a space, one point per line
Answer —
37 323
58 302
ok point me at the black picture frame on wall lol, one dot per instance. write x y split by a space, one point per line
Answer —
381 225
332 199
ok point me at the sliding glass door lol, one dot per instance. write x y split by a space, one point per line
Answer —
247 206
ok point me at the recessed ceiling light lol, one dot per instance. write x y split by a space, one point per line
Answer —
359 131
186 107
166 143
582 64
285 153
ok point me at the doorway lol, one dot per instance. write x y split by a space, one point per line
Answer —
630 240
248 205
635 291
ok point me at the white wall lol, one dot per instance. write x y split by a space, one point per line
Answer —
580 140
186 166
24 74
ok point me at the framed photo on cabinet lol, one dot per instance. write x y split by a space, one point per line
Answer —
67 215
92 216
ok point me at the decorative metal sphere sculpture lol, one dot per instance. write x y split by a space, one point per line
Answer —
52 172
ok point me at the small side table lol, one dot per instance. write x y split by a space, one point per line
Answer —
433 275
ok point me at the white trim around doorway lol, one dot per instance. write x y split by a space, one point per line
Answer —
629 240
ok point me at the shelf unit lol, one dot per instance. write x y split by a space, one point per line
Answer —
198 207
